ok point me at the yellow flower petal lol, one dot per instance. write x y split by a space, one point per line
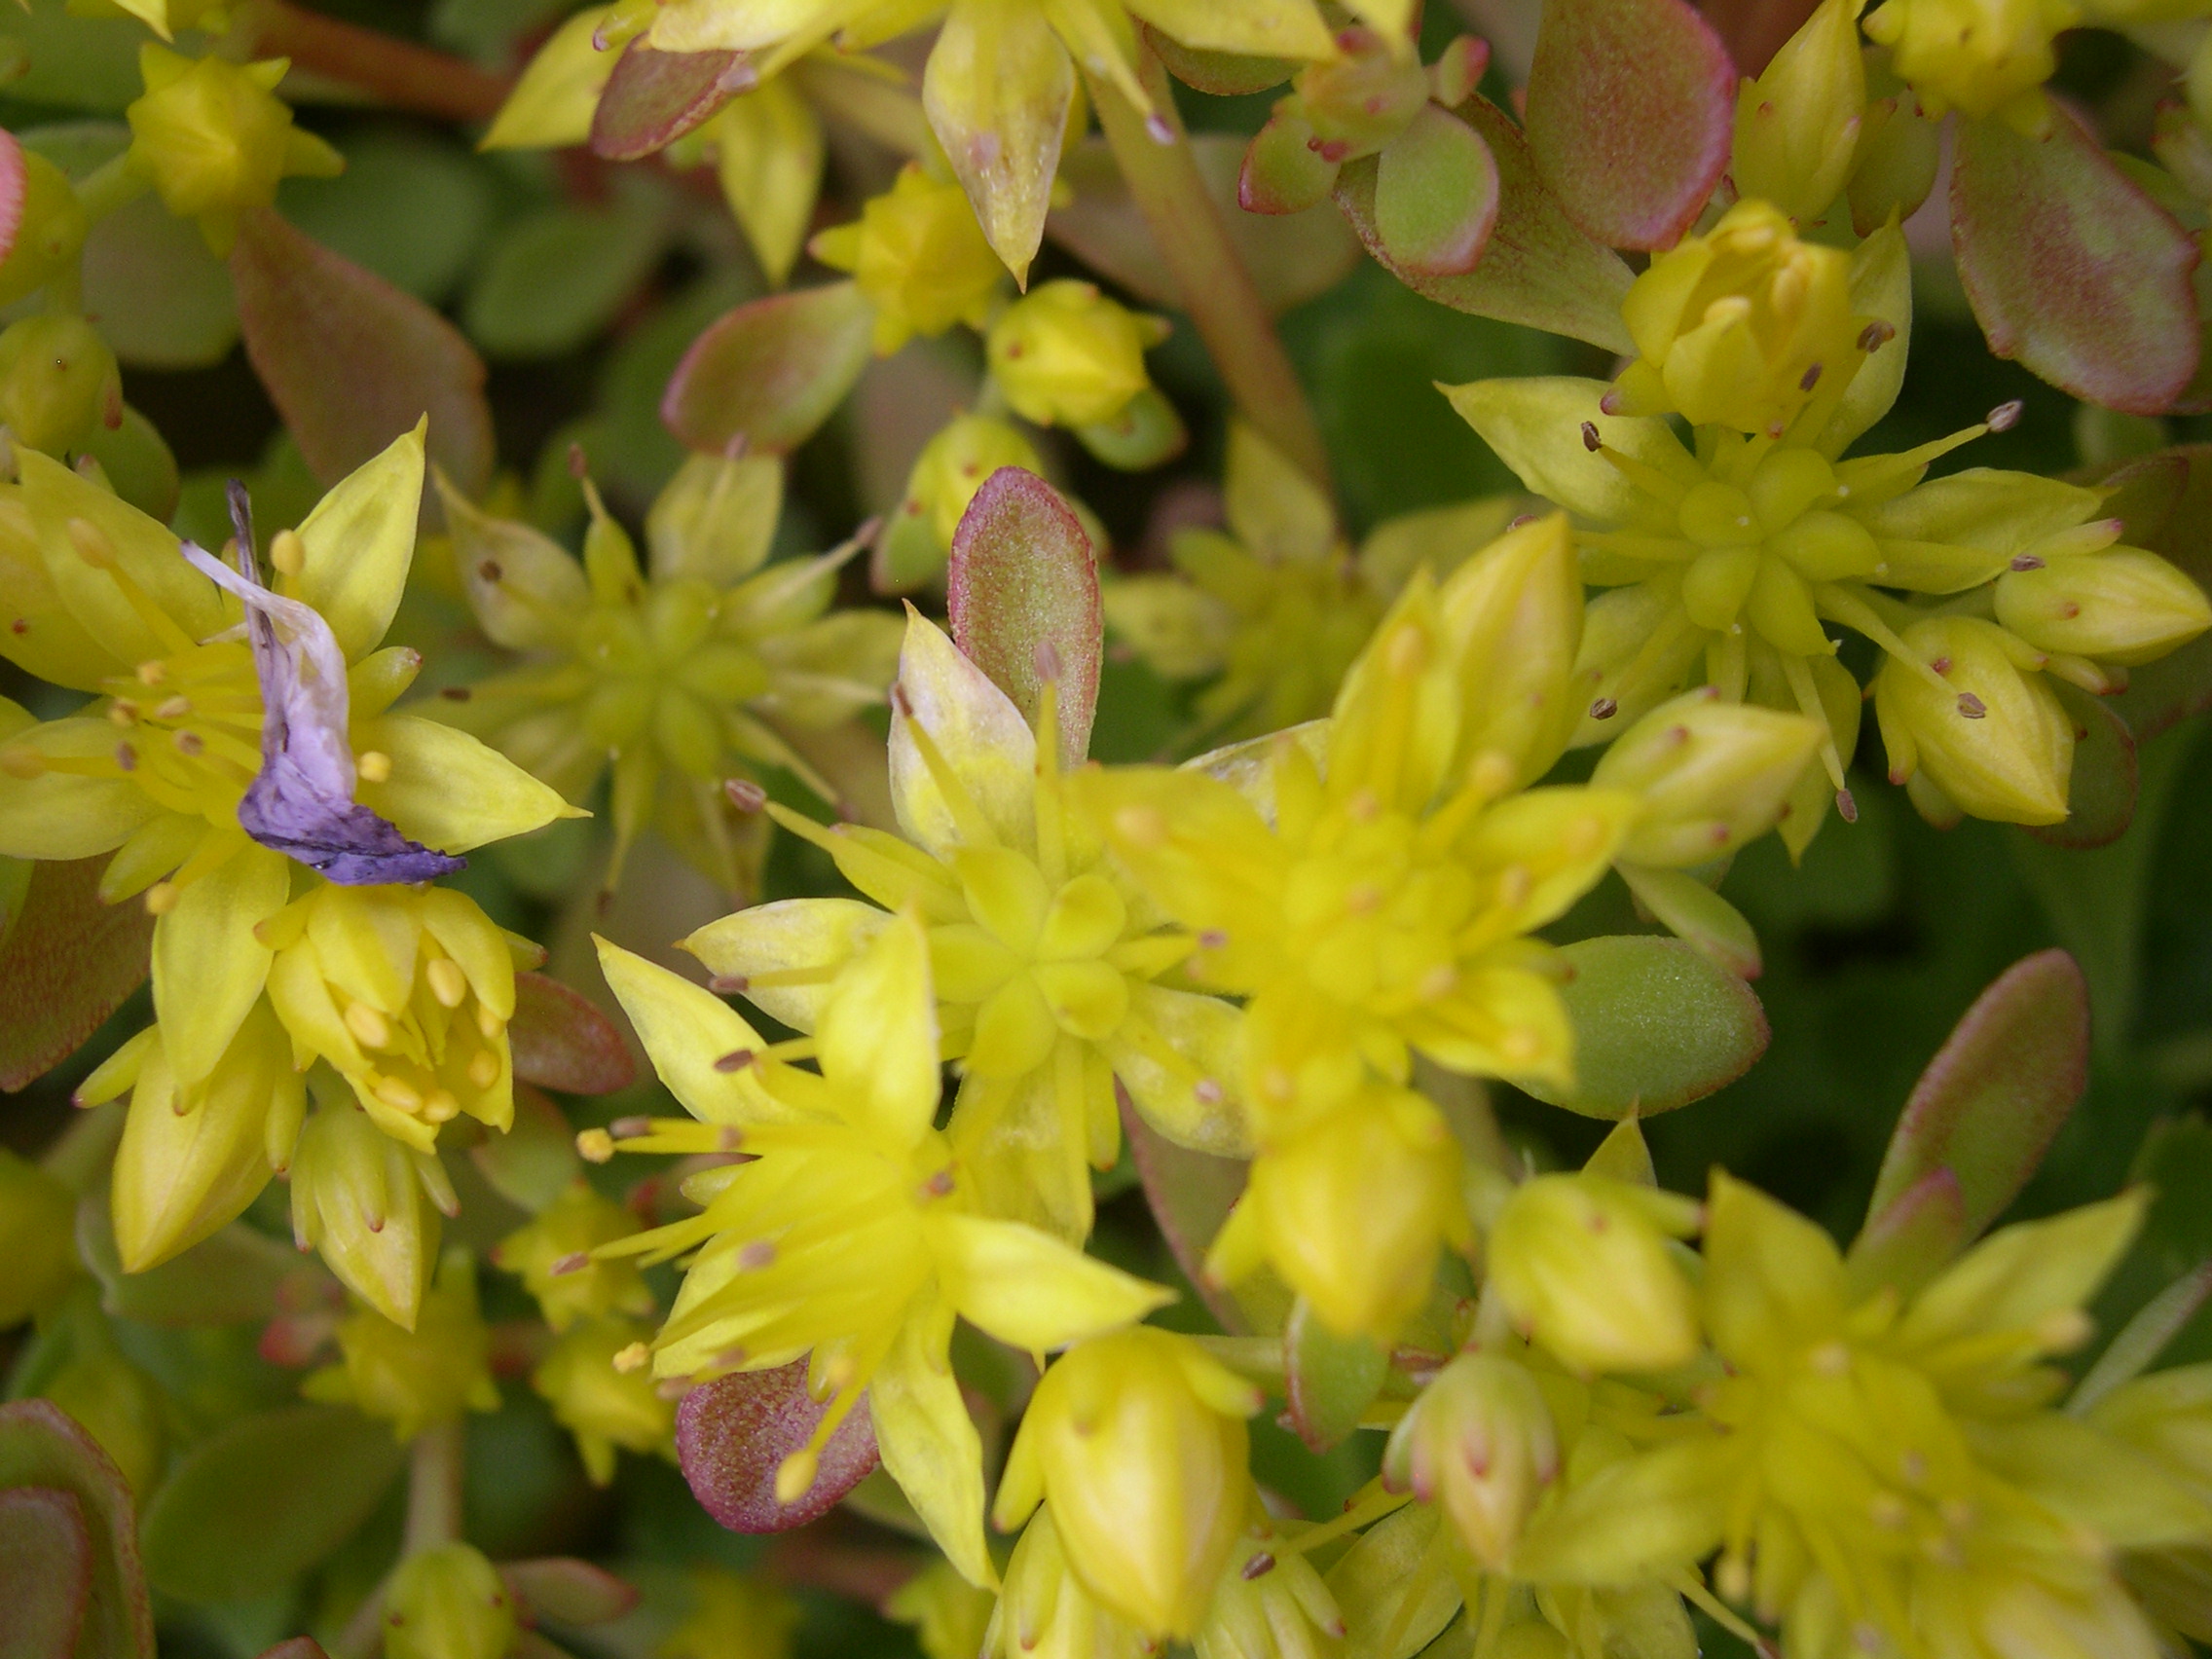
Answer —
686 1029
790 933
998 90
929 1443
450 791
359 542
1030 1290
209 967
878 1037
984 740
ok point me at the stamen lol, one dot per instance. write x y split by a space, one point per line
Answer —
448 984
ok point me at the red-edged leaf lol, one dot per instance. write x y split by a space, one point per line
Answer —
733 1433
1537 268
1436 194
1631 105
352 361
654 97
2070 267
1331 1380
1988 1104
1909 1239
1023 594
566 1591
771 371
45 1572
2163 694
562 1042
65 965
41 1446
2100 802
14 185
297 1648
1190 1194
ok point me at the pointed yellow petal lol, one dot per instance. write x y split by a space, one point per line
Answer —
979 732
929 1443
359 542
447 790
208 967
877 1036
792 934
690 1034
1030 1290
998 88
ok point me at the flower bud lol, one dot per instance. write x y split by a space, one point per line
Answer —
1797 125
57 381
1352 1211
919 256
1738 326
419 1377
1480 1442
215 139
50 230
1980 57
1971 715
38 1238
1361 99
1269 1603
552 1253
1065 354
1514 616
1137 1442
447 1602
1713 775
2121 606
953 466
357 1197
406 993
1045 1612
1901 149
1582 1264
601 1406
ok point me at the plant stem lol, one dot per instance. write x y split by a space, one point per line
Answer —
1155 158
397 72
111 185
433 1490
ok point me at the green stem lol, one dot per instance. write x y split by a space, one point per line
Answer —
433 1489
113 184
1157 161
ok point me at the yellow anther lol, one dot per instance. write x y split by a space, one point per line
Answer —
484 1069
1406 652
123 712
489 1024
596 1146
162 898
153 673
287 554
375 766
636 1356
440 1106
1141 826
395 1091
368 1025
172 707
448 984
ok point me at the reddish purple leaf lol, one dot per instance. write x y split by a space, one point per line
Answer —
1537 267
771 371
2070 267
352 361
66 965
1904 1245
45 1572
1632 107
297 1648
41 1446
654 97
2100 801
14 185
1023 594
1989 1103
733 1433
561 1041
566 1591
1755 30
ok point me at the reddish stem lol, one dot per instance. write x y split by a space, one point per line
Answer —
397 72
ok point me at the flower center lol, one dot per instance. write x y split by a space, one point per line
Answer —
662 670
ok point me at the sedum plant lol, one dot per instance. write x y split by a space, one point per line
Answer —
588 1078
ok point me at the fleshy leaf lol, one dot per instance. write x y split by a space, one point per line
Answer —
263 1499
2070 267
1698 916
41 1446
1435 195
1632 106
1023 594
733 1433
2171 516
566 1591
2100 801
65 965
1908 1242
45 1572
562 1042
232 1276
654 97
536 1160
1539 268
1190 1194
352 361
1989 1103
1657 1024
771 371
1332 1379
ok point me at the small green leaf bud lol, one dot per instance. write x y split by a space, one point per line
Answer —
447 1602
1480 1443
59 380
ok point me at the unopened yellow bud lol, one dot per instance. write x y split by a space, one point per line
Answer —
1582 1264
1044 1611
956 462
1739 326
215 139
1797 125
553 1256
602 1405
919 256
1065 354
1137 1442
38 1233
1713 775
1980 57
2121 606
47 234
358 1197
1513 613
447 1602
416 1379
58 381
1973 719
1480 1443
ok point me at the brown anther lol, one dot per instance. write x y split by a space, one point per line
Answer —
2026 561
2006 415
1846 806
939 1185
756 1255
1212 938
1604 709
1590 439
745 794
173 709
127 757
1876 335
189 743
455 693
123 712
1524 518
575 1261
1260 1566
1941 664
1972 706
728 984
736 1060
1811 379
490 571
